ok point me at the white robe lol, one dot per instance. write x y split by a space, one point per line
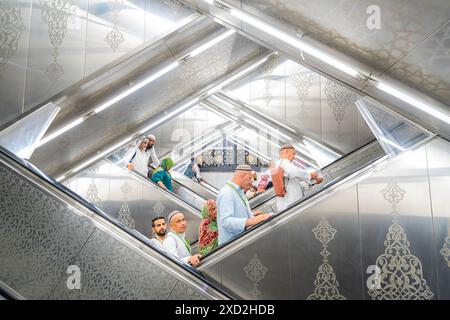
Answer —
174 245
140 162
293 176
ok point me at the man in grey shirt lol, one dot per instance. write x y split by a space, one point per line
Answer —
159 228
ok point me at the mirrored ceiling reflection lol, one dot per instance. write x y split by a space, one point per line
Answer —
175 133
49 45
306 101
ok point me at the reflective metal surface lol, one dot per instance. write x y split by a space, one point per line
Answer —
58 230
133 200
164 94
23 136
385 237
305 101
51 45
406 46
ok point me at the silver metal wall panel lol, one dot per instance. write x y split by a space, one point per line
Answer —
339 116
56 48
438 157
262 269
427 67
397 230
13 56
111 271
183 292
303 99
39 237
343 24
396 220
132 201
70 39
114 28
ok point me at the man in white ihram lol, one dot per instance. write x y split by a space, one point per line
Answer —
176 243
293 175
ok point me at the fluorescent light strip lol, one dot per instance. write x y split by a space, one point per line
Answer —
170 114
101 154
60 178
211 43
59 132
267 28
237 75
137 86
414 102
266 125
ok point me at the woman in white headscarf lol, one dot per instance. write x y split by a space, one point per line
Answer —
139 160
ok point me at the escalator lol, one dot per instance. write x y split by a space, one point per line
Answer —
47 230
352 229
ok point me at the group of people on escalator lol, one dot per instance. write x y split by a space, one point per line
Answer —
229 215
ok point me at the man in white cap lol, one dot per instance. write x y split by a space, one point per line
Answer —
176 243
233 210
293 175
151 152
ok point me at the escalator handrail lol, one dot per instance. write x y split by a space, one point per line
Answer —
297 203
146 180
332 164
182 184
30 168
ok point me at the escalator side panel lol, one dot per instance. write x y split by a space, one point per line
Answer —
41 235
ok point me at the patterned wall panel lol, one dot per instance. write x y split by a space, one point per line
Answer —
110 270
70 39
438 157
397 230
428 66
56 49
383 238
183 292
306 101
39 237
14 31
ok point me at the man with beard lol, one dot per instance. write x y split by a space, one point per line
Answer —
159 229
150 153
176 243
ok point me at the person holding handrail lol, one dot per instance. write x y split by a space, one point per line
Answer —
233 209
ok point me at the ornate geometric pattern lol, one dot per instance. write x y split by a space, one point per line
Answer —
39 237
445 251
302 82
267 70
338 98
256 272
56 14
325 283
11 31
124 212
173 5
92 194
114 38
158 208
401 276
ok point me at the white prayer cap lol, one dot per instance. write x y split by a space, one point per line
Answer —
170 216
243 167
151 137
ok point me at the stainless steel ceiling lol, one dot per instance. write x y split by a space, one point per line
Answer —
133 112
411 50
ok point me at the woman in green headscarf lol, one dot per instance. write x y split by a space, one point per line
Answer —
208 235
161 175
